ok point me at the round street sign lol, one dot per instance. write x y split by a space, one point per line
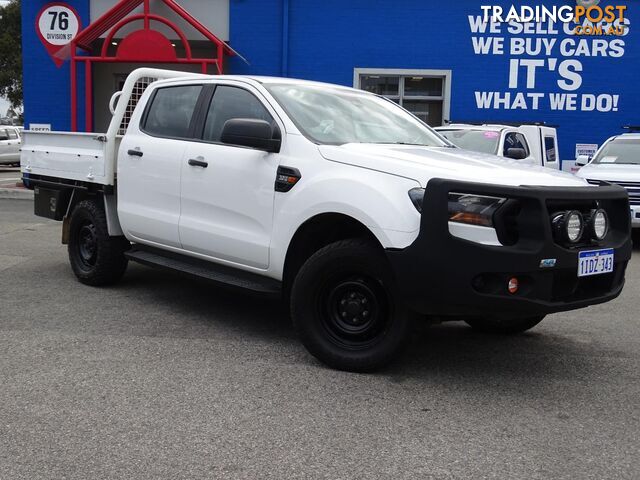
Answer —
57 25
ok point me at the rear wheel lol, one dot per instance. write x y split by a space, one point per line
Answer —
344 310
504 326
96 258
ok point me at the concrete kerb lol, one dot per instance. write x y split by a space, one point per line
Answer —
16 193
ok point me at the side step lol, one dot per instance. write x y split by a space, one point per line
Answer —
223 275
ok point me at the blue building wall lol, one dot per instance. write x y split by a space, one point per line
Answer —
47 91
328 39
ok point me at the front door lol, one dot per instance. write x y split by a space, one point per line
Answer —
228 191
518 140
149 166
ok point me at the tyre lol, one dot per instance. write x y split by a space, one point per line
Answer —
344 310
96 258
504 326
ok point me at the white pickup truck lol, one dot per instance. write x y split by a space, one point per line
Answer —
336 199
528 144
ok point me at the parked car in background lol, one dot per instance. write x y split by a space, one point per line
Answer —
533 144
10 142
617 162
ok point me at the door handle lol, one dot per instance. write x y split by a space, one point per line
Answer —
198 163
135 153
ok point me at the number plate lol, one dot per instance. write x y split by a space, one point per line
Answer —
595 262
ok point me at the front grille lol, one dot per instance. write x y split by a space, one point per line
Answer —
632 188
513 220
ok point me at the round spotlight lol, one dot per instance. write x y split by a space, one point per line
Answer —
574 226
599 224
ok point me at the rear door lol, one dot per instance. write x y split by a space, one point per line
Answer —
150 162
228 191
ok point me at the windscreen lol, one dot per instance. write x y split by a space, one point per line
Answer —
485 141
620 151
336 116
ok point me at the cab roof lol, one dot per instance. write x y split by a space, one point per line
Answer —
265 80
468 126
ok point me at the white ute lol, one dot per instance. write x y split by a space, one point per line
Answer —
528 144
616 162
338 200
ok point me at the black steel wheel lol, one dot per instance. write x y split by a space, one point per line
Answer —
96 258
344 308
87 245
354 310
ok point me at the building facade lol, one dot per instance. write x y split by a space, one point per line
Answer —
437 59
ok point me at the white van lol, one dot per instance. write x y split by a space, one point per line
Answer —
529 144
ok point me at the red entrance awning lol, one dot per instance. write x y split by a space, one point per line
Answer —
144 45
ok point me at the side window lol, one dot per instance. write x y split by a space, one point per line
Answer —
171 110
12 134
515 140
228 103
550 147
4 135
523 141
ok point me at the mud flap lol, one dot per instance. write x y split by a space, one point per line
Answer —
66 225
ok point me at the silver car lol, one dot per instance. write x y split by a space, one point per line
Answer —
10 141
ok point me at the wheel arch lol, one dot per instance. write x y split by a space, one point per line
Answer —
108 203
318 232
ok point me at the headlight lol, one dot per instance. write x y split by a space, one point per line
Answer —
568 226
473 209
599 224
417 196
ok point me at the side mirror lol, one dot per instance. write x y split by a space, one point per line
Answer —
582 160
516 153
249 132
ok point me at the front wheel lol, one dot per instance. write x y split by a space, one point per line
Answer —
344 310
96 258
504 326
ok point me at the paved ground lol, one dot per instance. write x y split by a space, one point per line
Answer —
162 377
